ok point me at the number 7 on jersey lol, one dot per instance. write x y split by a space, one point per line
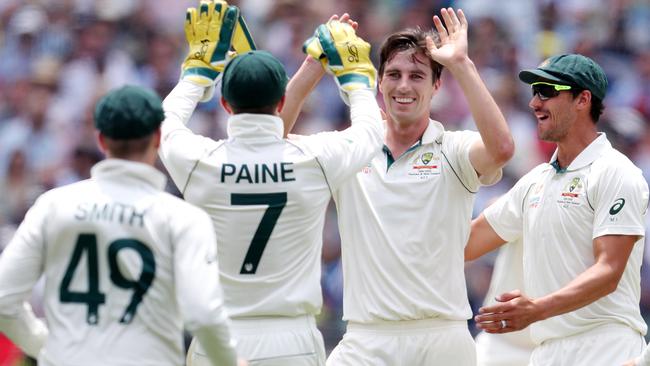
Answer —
276 202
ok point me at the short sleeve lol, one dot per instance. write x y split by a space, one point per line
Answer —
506 214
620 202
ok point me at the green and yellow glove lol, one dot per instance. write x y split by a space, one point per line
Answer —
242 41
209 31
343 54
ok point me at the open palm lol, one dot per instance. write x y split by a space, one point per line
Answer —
453 37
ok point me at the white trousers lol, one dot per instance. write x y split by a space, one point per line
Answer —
607 345
277 341
503 349
415 343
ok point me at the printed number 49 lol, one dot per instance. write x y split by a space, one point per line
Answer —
276 202
93 297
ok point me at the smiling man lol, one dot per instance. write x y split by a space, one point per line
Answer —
404 219
581 219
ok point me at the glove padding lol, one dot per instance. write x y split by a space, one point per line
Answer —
209 32
345 55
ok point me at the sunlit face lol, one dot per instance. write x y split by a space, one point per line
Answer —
555 116
407 87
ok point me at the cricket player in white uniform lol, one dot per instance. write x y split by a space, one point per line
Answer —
582 220
126 265
267 196
508 349
404 218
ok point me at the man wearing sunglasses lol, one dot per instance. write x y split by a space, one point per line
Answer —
581 219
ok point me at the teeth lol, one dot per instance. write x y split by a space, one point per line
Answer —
404 100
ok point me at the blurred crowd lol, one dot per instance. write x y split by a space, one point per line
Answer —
57 57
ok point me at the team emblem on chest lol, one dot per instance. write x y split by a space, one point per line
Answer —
425 165
571 192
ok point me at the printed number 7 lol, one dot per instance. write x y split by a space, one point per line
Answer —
276 202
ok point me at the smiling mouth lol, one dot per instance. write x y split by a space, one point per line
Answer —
403 100
541 116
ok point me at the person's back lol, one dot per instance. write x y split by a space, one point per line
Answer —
267 197
127 266
110 266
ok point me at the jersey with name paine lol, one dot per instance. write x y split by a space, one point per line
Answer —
267 197
404 228
126 266
559 214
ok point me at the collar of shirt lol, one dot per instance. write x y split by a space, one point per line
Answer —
433 132
254 126
118 169
586 157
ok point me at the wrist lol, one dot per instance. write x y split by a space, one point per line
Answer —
313 65
461 65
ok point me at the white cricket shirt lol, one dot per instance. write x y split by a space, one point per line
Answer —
126 265
267 197
558 214
404 229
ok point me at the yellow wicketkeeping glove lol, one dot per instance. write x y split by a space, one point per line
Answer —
209 31
343 54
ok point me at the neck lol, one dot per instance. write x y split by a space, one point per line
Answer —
400 137
571 146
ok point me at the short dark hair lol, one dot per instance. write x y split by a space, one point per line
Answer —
597 106
409 39
127 149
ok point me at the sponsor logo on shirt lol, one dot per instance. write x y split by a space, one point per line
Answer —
425 165
367 169
536 197
571 193
617 206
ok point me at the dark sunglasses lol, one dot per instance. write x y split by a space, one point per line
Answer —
546 91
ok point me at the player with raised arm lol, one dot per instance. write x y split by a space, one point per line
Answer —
266 195
404 219
126 265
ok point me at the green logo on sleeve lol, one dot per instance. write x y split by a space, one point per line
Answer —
617 207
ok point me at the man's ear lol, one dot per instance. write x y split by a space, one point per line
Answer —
101 142
280 104
226 106
584 100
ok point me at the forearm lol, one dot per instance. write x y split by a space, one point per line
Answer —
179 106
489 120
301 84
596 282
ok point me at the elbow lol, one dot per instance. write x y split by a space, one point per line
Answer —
504 152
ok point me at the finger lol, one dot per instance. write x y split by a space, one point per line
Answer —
490 326
431 45
496 308
190 22
507 296
227 31
442 32
333 17
462 19
344 18
449 24
454 18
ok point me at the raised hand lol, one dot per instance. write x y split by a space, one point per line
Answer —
453 38
343 54
209 33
